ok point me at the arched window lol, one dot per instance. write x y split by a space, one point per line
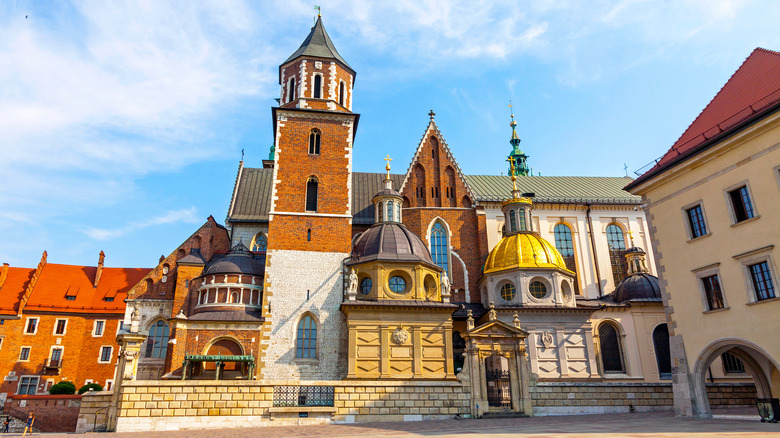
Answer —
521 217
341 93
314 142
317 86
617 252
611 349
157 342
439 246
260 243
389 210
311 194
291 90
306 339
663 353
512 221
565 245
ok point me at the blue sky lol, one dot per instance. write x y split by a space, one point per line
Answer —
123 122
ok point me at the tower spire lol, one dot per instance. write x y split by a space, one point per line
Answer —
519 158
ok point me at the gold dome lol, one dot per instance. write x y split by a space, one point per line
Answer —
518 251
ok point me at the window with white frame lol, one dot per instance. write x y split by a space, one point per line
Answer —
60 326
741 204
98 327
2 338
105 354
694 216
710 287
31 326
55 357
24 354
28 385
109 385
760 273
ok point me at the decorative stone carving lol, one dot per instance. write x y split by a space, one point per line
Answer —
352 285
492 316
400 336
547 340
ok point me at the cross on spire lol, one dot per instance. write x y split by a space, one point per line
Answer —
387 167
431 115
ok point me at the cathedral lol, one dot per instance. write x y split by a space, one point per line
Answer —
520 294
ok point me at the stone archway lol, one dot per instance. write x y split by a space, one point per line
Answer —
758 364
497 342
225 347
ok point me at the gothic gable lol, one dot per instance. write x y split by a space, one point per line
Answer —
434 178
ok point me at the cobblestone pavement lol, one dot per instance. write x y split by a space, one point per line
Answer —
659 424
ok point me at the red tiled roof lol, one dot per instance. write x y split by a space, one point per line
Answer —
13 288
753 88
57 281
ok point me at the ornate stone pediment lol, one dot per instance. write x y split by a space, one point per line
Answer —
497 329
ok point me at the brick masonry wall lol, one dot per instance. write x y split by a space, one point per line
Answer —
53 413
724 395
171 405
286 290
80 354
605 397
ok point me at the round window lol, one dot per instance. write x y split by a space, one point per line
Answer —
397 284
365 286
508 291
538 289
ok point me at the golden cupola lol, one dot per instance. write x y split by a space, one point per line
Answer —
521 246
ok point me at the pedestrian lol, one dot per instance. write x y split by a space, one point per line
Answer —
6 424
28 426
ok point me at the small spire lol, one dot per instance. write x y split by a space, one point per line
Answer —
431 115
512 172
319 11
631 236
387 167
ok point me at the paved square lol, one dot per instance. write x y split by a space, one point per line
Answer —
658 424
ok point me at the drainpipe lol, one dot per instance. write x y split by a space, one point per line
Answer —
593 249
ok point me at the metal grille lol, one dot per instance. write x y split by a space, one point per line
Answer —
300 396
617 258
498 388
611 351
732 364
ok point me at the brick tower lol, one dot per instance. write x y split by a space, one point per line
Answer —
310 220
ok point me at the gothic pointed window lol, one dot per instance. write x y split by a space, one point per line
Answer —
317 86
291 90
260 243
311 194
314 142
612 361
439 246
341 93
157 341
306 339
617 252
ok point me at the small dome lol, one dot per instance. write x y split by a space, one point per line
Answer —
239 260
518 251
638 287
389 241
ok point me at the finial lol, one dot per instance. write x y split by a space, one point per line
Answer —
431 115
631 236
387 167
512 173
319 11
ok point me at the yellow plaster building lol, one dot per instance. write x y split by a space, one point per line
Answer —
712 204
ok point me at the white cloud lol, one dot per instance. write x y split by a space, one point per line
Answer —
184 216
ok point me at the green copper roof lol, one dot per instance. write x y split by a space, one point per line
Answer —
318 45
568 189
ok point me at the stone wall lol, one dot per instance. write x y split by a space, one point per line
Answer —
173 405
93 415
291 293
604 397
53 413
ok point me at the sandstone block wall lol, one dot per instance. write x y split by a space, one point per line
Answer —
725 395
93 413
173 405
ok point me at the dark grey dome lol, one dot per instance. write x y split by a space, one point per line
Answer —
638 287
387 192
239 260
390 241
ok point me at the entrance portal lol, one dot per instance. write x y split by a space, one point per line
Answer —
499 388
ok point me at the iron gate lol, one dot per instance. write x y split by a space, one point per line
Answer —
498 388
